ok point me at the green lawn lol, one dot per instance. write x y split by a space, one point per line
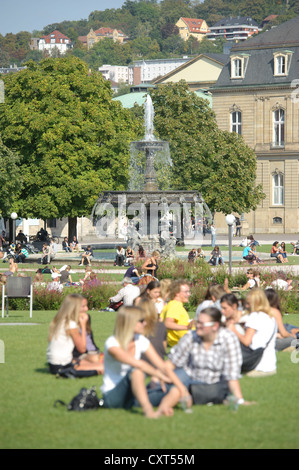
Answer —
30 421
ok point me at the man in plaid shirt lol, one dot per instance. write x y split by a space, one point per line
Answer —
207 361
210 355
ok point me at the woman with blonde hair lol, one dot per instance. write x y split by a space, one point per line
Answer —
155 330
124 380
260 332
68 330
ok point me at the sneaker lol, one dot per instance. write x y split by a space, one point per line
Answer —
80 264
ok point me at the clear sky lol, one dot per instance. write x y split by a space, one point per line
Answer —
29 15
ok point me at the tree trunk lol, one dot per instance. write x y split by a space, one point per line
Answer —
72 223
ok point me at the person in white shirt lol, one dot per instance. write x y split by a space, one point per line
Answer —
281 282
55 284
67 331
127 294
124 371
260 332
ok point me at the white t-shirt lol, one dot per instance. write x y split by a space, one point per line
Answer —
127 294
60 348
280 284
115 370
266 328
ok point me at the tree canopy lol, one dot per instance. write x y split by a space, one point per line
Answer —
146 18
10 180
73 140
205 158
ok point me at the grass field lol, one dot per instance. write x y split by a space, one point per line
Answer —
30 421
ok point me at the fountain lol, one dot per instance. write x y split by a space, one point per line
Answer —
149 213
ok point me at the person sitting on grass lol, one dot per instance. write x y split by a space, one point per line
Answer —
88 271
251 282
68 330
174 315
55 285
296 247
124 383
260 332
284 338
65 277
87 256
208 361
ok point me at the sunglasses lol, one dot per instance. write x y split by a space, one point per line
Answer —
207 323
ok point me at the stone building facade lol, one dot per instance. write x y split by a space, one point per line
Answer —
257 95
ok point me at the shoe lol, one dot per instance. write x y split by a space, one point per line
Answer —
80 264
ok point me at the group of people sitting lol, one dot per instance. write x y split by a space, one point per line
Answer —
190 361
61 278
126 257
74 247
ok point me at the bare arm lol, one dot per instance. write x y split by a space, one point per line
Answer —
167 368
123 356
245 339
171 324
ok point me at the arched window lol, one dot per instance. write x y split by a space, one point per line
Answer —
236 122
278 189
278 128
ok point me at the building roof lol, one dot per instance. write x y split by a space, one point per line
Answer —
57 35
220 58
282 35
107 32
194 24
130 99
239 20
270 18
259 51
139 98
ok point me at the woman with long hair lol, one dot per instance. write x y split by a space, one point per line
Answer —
68 330
284 338
124 380
260 331
150 266
154 329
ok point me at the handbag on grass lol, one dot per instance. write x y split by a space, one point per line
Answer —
86 399
115 305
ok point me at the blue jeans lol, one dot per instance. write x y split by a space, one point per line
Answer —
120 396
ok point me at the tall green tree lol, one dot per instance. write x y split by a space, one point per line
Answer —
10 180
72 138
205 158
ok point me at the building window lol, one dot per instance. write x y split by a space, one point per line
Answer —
237 68
277 220
282 62
51 223
278 189
278 128
280 65
236 122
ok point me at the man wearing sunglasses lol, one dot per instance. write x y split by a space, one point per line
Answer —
208 360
